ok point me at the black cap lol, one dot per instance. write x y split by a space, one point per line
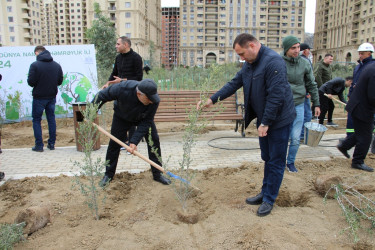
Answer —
150 89
304 46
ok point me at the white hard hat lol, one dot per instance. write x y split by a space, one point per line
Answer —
366 47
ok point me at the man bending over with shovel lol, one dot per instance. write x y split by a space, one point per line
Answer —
135 104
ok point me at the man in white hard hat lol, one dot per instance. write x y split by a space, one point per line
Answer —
365 51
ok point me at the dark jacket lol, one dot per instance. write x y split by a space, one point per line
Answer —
336 86
357 71
361 104
266 90
128 108
128 65
44 76
322 73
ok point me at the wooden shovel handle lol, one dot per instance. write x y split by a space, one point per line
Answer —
128 148
343 103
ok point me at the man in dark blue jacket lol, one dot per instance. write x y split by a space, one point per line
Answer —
365 51
44 76
361 107
336 86
268 98
135 104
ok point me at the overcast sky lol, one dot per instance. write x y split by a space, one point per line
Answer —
309 19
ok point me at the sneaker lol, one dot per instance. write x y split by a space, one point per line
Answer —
332 124
51 146
291 168
36 149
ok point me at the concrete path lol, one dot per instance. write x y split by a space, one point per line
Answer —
208 152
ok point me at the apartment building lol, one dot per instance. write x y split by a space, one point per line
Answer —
209 27
170 36
341 26
21 22
140 20
64 22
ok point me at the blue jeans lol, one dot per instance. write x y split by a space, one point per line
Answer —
39 105
307 115
295 133
273 151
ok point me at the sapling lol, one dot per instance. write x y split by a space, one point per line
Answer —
11 234
355 207
90 171
196 122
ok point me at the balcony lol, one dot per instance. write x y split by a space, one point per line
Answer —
211 10
273 26
112 8
211 17
274 4
211 32
26 16
213 2
273 11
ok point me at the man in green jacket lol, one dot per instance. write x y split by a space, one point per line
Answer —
301 79
323 74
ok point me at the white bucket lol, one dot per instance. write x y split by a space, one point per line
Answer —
313 133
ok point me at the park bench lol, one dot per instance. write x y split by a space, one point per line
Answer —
174 105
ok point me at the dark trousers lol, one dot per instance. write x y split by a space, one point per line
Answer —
119 129
360 139
326 105
273 148
349 125
38 107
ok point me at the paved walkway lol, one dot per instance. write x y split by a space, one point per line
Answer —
207 153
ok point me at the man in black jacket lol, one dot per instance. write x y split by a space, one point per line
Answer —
361 106
267 97
44 76
128 64
336 86
135 104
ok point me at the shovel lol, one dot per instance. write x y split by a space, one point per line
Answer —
142 156
343 103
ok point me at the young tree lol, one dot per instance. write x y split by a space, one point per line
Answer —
103 35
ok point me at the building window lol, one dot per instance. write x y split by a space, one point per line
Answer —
127 25
127 4
10 19
127 14
11 29
9 8
12 39
128 35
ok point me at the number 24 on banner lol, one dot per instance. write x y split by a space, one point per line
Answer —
4 64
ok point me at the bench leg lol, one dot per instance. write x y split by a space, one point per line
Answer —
242 123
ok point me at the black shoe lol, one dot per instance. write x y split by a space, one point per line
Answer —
264 209
162 180
51 146
105 181
2 176
36 149
332 124
343 151
256 200
362 167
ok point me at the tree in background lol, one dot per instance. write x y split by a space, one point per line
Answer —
103 35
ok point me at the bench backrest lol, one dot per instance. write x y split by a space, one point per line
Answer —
174 104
